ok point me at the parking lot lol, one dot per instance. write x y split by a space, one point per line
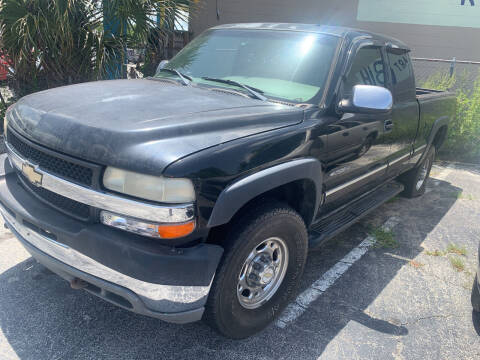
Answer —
404 295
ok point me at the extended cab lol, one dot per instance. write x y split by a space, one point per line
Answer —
197 193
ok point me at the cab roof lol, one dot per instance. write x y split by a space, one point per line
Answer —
339 31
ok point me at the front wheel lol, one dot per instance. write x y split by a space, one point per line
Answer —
264 257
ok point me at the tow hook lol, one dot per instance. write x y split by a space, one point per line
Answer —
78 284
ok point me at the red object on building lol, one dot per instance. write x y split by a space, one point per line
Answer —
3 68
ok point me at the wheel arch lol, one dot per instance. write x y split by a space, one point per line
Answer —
438 131
437 136
295 182
440 136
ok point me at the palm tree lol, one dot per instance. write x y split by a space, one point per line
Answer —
57 42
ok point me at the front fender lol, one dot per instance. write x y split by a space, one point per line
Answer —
239 193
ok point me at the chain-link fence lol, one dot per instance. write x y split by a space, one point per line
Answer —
466 72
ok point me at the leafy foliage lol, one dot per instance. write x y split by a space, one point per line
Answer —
463 141
440 81
58 42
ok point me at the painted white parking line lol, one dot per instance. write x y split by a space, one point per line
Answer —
301 303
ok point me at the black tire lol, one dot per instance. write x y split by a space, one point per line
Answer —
223 310
412 177
476 296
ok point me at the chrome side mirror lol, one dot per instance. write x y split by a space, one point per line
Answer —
162 64
368 99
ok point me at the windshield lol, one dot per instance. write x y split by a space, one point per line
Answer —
282 64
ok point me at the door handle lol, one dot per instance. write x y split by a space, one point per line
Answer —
388 125
346 133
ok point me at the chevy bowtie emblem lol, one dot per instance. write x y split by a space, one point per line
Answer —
31 174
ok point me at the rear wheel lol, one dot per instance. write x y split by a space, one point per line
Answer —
264 257
415 180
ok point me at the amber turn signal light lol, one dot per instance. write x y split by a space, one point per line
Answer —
176 230
139 227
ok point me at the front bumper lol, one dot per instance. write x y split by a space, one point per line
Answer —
128 270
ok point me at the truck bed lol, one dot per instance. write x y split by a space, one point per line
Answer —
434 105
422 92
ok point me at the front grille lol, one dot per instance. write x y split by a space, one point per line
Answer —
53 164
66 205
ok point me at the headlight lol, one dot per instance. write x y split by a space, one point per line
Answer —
156 188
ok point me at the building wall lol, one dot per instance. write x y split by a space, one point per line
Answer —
407 16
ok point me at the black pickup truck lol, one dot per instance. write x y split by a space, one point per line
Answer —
197 193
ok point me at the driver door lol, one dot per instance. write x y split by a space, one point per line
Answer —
356 145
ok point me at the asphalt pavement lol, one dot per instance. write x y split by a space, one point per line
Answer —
406 297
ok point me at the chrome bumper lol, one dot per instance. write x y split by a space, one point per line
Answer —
180 304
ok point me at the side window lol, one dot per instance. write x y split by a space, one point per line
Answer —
403 80
367 69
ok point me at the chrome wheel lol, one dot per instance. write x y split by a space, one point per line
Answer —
423 174
262 273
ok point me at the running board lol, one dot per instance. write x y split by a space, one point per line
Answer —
333 224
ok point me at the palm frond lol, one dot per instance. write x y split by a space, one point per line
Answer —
56 42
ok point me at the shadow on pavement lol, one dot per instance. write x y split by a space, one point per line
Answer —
42 318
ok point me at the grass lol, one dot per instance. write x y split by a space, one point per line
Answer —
435 253
457 263
451 249
384 238
455 249
455 252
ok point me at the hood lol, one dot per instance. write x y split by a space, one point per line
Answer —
142 125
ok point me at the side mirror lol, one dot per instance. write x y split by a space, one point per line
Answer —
368 99
162 64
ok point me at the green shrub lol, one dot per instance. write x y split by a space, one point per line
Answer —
463 140
439 81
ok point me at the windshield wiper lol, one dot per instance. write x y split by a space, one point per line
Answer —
253 91
183 77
